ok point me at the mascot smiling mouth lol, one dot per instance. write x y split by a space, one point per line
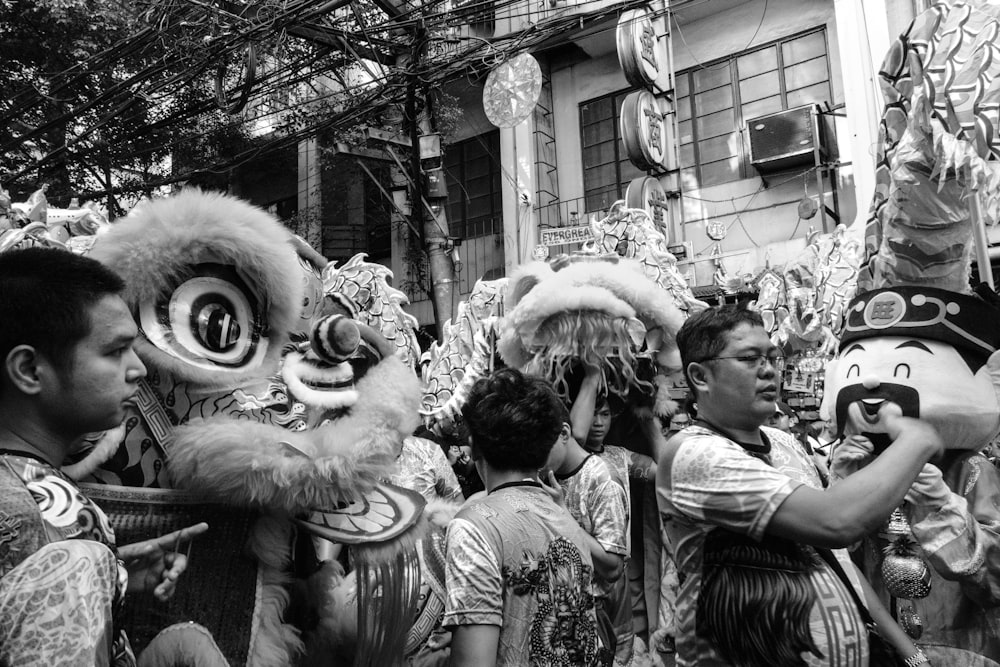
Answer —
317 382
861 410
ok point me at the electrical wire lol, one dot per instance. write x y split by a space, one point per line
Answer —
430 74
718 65
753 195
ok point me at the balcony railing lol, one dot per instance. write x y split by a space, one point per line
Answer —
473 20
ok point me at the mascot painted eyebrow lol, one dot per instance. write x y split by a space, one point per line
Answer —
918 342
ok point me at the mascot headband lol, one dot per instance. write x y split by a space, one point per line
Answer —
964 321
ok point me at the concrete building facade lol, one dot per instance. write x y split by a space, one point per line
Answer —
727 63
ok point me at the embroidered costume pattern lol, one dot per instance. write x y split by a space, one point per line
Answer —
57 558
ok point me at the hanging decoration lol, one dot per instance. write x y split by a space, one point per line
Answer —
638 52
716 230
512 90
807 206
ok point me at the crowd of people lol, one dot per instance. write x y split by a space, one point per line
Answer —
538 559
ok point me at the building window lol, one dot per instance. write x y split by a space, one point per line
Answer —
714 102
472 171
606 168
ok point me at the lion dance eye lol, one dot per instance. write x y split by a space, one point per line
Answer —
217 327
212 319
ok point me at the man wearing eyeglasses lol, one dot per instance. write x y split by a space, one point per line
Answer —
751 525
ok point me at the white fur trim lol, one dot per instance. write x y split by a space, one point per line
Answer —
619 289
152 247
245 463
523 279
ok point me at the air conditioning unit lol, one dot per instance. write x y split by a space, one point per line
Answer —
785 139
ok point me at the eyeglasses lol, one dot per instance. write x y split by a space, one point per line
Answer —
757 361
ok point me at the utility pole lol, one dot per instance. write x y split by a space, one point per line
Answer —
429 186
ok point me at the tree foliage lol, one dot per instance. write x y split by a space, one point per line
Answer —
103 100
114 98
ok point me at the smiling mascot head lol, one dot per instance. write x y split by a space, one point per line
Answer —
917 341
918 352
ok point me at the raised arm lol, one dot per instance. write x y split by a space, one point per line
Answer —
854 507
581 415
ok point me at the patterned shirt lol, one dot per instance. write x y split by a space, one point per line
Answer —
600 505
40 505
627 465
517 560
423 467
705 482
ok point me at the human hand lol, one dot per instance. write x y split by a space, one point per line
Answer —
439 639
551 486
929 489
155 565
459 456
918 431
851 455
592 373
645 416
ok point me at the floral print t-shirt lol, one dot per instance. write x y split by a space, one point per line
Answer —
627 465
422 467
600 505
40 505
706 482
517 560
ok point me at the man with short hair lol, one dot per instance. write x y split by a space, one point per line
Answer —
750 524
68 370
518 570
783 418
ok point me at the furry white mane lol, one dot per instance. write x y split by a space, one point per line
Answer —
154 246
618 289
243 462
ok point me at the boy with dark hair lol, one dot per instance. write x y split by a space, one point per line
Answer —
68 370
518 569
591 417
586 486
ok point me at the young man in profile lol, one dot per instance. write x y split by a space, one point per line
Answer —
68 369
519 571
